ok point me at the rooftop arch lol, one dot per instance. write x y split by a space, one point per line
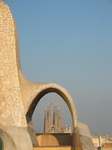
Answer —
52 87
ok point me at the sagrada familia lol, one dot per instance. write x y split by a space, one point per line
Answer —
19 97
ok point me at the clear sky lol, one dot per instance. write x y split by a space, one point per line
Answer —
69 42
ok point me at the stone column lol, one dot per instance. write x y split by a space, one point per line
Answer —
13 126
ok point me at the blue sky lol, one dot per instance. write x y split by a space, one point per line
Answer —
69 42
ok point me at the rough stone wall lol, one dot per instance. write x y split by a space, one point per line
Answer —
11 105
85 137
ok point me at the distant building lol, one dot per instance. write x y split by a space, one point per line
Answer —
66 129
102 142
52 120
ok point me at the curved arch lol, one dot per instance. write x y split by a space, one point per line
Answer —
47 88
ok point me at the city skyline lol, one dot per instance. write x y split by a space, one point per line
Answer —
69 43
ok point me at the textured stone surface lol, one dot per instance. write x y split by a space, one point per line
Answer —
15 138
32 132
18 96
85 137
11 104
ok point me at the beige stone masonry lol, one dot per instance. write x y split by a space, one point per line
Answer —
11 104
19 97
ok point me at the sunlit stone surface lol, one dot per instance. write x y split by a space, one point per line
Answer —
18 96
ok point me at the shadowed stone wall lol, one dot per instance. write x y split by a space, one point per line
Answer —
1 145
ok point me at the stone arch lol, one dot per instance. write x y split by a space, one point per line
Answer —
48 88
